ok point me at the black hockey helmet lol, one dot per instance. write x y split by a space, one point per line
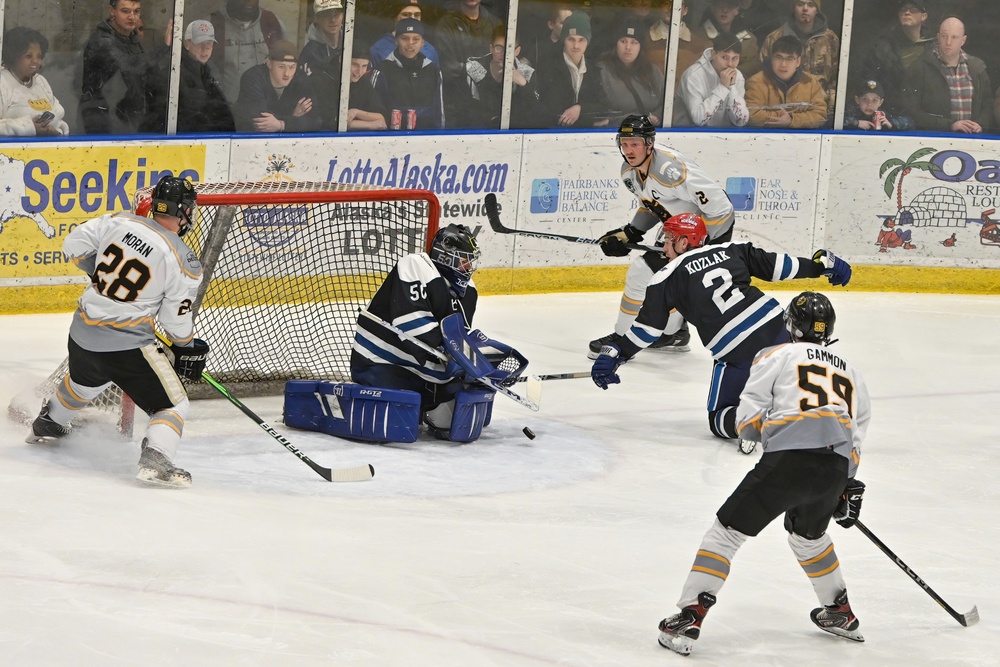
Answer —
810 317
456 253
177 197
635 125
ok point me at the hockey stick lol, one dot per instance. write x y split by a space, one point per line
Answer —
557 376
356 474
534 388
969 618
493 215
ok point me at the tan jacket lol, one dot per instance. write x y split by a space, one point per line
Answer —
803 97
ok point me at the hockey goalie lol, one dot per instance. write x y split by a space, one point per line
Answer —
415 357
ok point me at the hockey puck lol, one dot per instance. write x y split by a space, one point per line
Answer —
528 432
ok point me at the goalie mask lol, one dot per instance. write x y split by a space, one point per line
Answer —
456 253
810 317
685 225
177 197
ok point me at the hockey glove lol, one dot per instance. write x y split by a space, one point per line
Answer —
849 510
837 271
189 360
613 242
603 372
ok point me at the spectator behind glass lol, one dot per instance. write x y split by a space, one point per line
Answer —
321 60
545 40
629 79
866 113
407 80
486 75
571 94
887 60
115 69
244 32
386 44
724 16
820 46
461 34
27 105
713 91
273 98
366 110
201 105
946 88
659 36
783 94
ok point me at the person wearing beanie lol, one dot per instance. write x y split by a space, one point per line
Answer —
321 60
366 111
628 77
820 47
386 44
407 81
274 97
570 90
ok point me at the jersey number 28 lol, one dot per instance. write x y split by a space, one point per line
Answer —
121 281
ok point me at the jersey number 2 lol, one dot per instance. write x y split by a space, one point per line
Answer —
121 281
725 296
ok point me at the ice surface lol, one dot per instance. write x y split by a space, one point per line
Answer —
563 550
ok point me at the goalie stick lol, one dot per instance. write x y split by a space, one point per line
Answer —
534 387
557 376
356 474
971 617
493 215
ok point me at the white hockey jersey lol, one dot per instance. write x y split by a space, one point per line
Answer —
803 396
675 185
140 272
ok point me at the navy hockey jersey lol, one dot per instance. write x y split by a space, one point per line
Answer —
415 298
710 286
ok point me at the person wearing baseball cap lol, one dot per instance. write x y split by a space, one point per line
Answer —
321 60
408 83
201 104
273 98
866 112
895 50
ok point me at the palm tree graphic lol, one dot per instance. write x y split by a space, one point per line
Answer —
897 170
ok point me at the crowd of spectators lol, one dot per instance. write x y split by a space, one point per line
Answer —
430 64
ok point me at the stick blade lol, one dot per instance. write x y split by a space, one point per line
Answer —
970 618
357 474
493 213
533 390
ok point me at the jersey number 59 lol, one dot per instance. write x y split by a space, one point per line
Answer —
822 386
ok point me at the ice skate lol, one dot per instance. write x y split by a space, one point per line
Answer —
675 342
679 632
45 429
155 469
838 619
598 343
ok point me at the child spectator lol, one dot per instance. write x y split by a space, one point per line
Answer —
866 113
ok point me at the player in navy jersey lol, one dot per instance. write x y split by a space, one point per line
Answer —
709 285
420 292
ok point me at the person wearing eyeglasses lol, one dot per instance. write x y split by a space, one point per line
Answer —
783 94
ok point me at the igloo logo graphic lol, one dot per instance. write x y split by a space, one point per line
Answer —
940 211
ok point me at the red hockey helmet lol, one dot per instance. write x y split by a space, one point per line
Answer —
685 225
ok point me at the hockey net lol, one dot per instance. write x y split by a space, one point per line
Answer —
286 266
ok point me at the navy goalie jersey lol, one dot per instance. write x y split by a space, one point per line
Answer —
710 286
415 298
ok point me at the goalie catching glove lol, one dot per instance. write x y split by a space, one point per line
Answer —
477 356
837 271
613 242
849 510
190 360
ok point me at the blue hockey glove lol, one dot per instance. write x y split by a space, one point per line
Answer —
603 371
837 271
849 510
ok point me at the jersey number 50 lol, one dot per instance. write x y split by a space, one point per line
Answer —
121 281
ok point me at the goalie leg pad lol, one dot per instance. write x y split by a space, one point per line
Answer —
349 410
473 410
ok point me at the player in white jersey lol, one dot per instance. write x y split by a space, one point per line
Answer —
666 183
141 273
810 409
